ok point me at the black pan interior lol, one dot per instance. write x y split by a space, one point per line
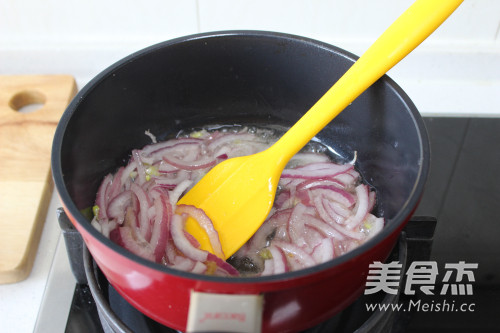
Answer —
236 78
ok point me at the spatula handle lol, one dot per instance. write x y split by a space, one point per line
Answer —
404 35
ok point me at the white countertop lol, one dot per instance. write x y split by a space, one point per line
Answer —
455 72
20 303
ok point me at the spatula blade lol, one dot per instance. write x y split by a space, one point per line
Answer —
237 196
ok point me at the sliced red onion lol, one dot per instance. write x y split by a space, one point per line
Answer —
348 179
164 167
131 218
308 158
340 209
96 224
161 226
173 179
316 171
144 204
185 151
354 234
179 190
133 242
296 225
221 156
278 264
107 226
331 211
312 237
246 149
204 222
260 238
282 199
115 237
141 170
229 138
285 182
182 243
191 239
118 206
362 207
170 251
222 265
223 151
151 136
323 227
153 153
324 251
102 199
295 255
199 268
126 173
335 195
152 211
326 215
303 197
371 200
320 183
183 264
375 225
116 184
152 148
292 183
268 267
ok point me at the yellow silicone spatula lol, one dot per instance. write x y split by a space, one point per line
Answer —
238 194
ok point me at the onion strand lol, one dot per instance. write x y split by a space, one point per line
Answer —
322 209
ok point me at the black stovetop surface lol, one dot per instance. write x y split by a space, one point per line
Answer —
463 194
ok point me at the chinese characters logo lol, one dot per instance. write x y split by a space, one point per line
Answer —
423 275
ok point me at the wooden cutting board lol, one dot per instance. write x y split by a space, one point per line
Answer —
25 180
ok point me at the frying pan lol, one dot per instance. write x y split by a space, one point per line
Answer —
246 78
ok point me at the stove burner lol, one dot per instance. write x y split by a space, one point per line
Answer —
108 312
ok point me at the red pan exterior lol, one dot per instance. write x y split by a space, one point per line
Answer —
292 301
307 300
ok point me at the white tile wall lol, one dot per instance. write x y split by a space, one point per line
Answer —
456 71
344 20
